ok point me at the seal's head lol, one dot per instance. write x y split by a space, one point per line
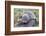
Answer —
25 18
